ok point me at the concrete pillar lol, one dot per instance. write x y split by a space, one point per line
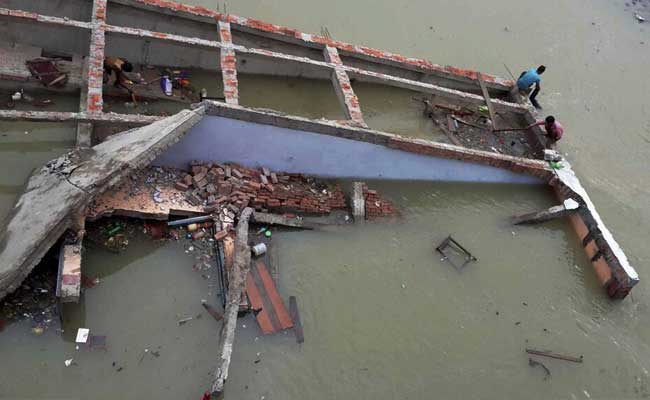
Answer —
84 129
358 202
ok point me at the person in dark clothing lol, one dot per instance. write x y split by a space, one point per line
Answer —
118 66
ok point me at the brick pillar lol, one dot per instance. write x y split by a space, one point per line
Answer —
349 101
93 73
94 101
228 65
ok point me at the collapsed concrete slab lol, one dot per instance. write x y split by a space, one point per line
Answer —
56 194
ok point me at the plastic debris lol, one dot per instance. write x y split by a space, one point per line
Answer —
68 362
82 335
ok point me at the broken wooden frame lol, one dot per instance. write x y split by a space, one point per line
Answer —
453 245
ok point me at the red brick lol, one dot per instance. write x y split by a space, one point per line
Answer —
188 180
254 185
181 186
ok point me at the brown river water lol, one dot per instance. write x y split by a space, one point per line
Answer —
384 318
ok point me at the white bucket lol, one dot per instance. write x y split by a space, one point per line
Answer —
259 249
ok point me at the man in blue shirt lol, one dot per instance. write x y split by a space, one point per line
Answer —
528 79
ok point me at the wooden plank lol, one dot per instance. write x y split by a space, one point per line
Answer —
446 131
257 303
267 305
488 101
451 125
274 296
295 316
274 262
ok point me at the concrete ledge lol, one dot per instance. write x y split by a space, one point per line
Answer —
536 168
610 263
58 116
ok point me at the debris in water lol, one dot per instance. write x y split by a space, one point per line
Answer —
88 282
451 244
639 18
38 330
82 335
554 355
68 362
184 320
212 311
295 317
534 363
97 342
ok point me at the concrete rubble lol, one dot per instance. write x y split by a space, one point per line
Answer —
116 178
58 193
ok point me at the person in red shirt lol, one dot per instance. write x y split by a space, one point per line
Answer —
554 130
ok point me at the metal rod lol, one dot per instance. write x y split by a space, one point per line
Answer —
554 355
187 221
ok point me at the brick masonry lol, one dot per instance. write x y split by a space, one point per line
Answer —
95 102
247 187
228 65
375 206
343 88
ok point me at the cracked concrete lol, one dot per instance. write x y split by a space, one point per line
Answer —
55 195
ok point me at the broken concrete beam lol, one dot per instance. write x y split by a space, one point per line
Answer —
69 280
236 286
569 207
358 202
55 193
276 219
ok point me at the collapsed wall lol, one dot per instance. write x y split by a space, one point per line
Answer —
56 195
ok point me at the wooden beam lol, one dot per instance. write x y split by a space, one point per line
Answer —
569 207
488 101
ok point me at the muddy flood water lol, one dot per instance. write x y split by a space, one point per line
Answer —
384 317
